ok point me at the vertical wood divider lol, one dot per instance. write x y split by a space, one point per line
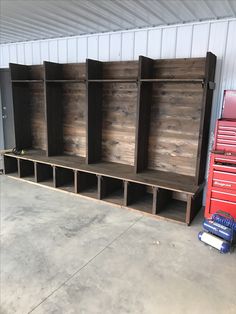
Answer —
143 113
93 111
53 109
205 118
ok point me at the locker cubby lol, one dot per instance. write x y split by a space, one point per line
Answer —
65 110
139 196
87 184
112 190
112 99
26 169
171 205
11 166
44 174
168 141
65 179
29 108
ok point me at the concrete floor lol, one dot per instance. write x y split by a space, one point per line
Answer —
62 253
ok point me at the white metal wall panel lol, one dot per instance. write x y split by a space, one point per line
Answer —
140 44
62 51
92 51
115 47
82 48
127 46
44 51
72 50
20 53
13 53
200 39
53 51
30 51
35 53
103 47
168 42
184 41
154 43
229 73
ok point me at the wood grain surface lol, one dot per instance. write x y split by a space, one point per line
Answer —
118 130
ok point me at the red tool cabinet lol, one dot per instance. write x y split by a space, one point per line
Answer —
221 193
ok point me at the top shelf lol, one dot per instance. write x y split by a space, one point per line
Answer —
27 81
114 80
174 80
65 81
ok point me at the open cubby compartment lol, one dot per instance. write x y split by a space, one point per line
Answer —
173 112
65 108
87 184
11 166
28 105
65 179
112 98
111 190
27 169
139 196
44 174
171 205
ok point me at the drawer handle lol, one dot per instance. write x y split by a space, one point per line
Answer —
223 184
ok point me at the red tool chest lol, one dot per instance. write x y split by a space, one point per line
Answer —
221 193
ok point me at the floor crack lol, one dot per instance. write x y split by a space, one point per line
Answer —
86 264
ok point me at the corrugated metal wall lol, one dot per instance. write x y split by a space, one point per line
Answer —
189 40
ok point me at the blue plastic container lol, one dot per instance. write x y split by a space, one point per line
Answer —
224 220
219 230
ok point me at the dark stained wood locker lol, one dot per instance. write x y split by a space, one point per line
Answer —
133 133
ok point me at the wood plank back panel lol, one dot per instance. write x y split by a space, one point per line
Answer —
193 68
74 127
118 129
120 70
37 115
53 71
73 71
36 72
174 127
54 118
19 71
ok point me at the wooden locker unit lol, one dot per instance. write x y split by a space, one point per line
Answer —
133 133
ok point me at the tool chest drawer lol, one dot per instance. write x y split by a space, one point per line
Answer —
225 180
225 168
226 136
229 185
226 206
224 195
